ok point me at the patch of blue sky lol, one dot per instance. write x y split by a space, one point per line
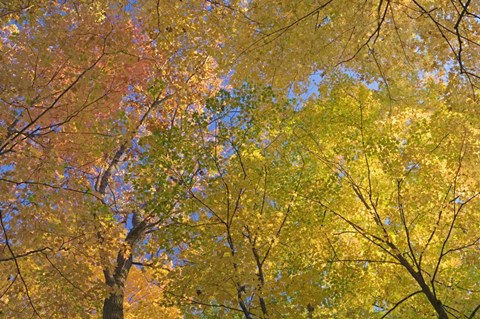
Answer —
93 179
373 84
387 221
226 79
129 222
314 80
308 89
6 168
24 198
176 260
130 6
195 217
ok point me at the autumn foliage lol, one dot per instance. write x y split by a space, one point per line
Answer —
239 159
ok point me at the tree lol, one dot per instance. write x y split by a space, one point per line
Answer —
337 209
85 81
239 209
120 173
408 195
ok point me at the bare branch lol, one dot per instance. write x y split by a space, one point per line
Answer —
398 303
17 266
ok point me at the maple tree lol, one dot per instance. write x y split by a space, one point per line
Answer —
85 99
339 209
161 158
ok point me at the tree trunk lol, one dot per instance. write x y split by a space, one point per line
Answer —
436 303
113 304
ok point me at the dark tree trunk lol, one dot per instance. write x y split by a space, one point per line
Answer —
113 304
432 298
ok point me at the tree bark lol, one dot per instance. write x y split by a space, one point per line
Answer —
417 275
113 304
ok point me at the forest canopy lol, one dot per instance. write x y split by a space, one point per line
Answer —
240 159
